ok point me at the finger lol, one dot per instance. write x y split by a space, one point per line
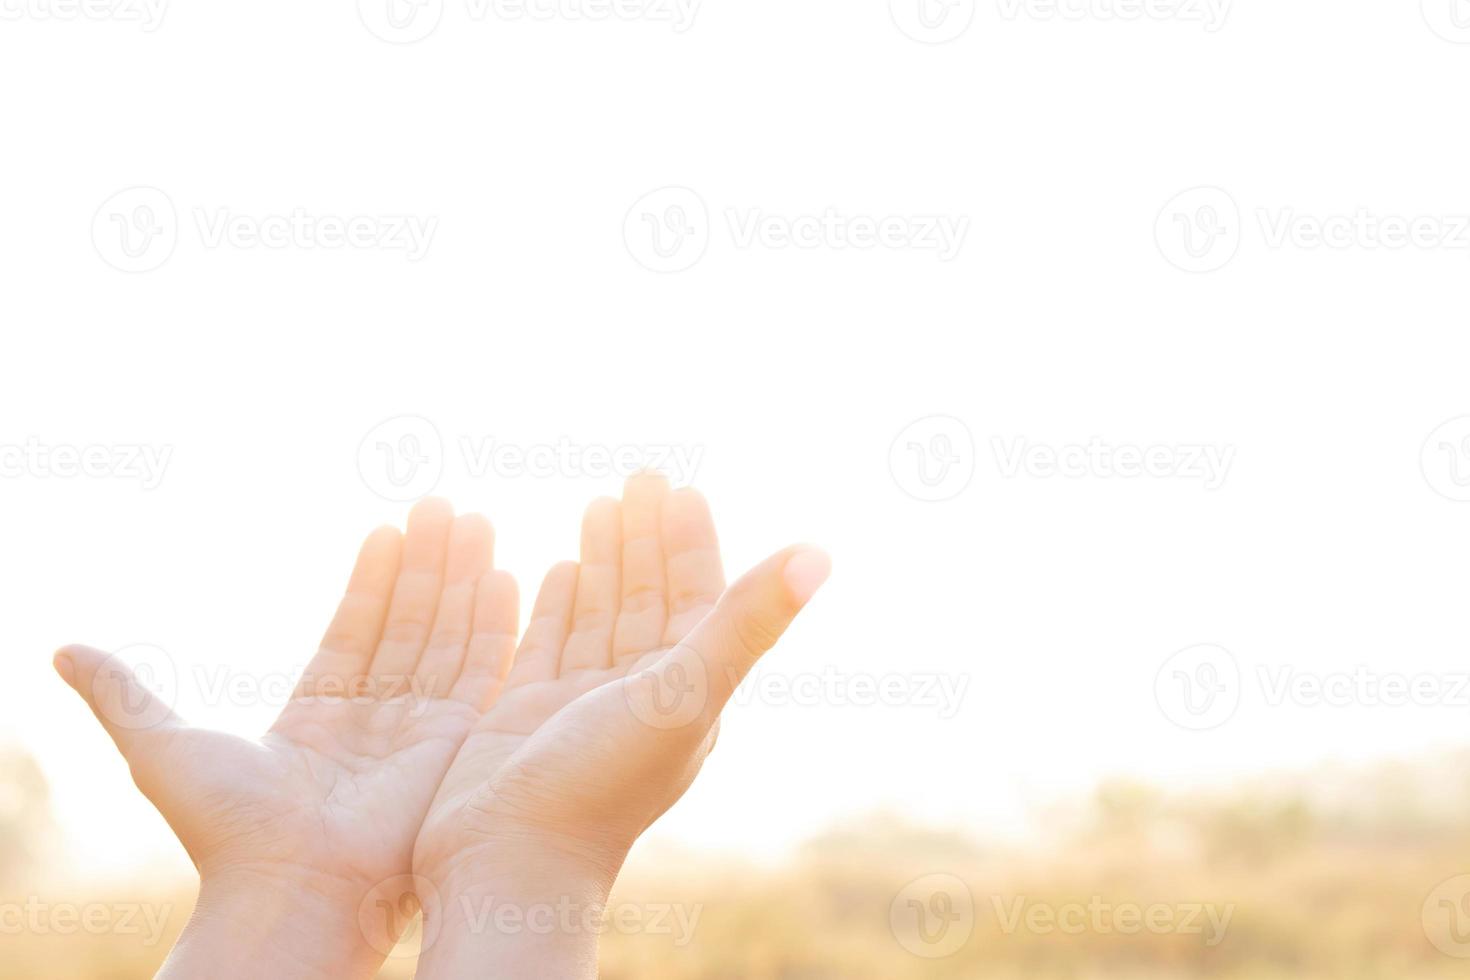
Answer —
748 620
415 597
540 651
471 554
131 713
643 611
598 590
347 648
492 643
696 576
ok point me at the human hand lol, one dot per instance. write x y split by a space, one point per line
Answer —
608 713
296 832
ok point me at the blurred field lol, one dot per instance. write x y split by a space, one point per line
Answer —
1324 876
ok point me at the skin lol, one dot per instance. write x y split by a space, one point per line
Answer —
451 779
609 713
298 831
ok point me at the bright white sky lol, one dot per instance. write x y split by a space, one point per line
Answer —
1057 600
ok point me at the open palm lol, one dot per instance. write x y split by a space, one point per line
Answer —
615 695
333 795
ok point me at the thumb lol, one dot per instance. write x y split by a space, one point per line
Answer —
133 706
704 670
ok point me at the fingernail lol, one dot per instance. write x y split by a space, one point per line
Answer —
805 572
65 668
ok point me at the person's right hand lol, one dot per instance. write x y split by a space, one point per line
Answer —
607 716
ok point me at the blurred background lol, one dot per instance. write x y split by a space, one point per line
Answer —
1116 352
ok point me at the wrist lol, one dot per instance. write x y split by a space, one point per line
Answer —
262 922
529 913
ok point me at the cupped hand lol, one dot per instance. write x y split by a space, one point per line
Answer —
615 696
328 803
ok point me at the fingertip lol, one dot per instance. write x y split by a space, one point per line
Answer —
65 667
384 535
805 572
645 483
561 571
431 509
602 510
